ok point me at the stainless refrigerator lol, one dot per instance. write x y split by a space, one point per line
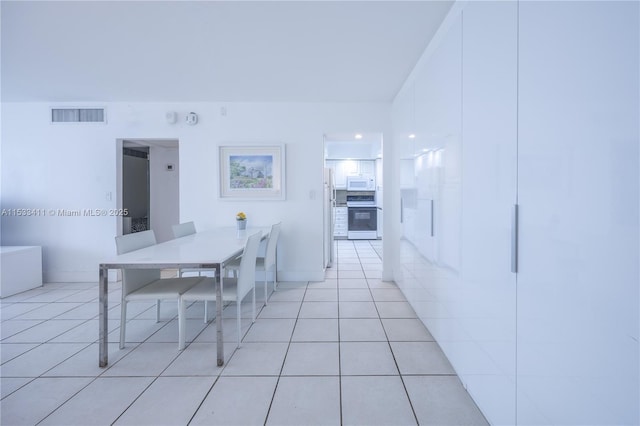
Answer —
329 200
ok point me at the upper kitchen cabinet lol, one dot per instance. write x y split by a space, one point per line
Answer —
578 121
349 156
367 167
344 168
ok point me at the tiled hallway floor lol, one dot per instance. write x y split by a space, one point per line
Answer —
347 350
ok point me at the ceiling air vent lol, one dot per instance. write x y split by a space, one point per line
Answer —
78 115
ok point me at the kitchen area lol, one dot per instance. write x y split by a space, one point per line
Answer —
354 164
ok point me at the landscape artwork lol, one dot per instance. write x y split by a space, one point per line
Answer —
251 171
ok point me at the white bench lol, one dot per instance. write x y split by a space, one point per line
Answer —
20 269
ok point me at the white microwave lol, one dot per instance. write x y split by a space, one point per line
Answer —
361 183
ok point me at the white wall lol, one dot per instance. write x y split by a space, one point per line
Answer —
41 169
164 191
355 149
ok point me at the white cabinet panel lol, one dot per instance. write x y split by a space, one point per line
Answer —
438 150
488 310
404 255
578 195
344 168
549 113
378 174
433 224
367 167
340 228
339 180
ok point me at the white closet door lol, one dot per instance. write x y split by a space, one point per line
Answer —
489 133
404 251
437 170
577 309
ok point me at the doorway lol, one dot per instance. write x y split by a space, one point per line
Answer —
148 189
348 156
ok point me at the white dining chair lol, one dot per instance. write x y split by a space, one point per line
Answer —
146 284
182 230
233 289
267 263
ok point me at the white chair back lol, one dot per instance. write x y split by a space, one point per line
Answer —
135 241
247 272
183 229
133 279
270 254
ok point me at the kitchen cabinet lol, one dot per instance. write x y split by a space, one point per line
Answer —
533 104
344 168
331 164
366 167
341 222
378 173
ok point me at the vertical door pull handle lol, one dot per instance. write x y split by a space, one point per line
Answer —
432 220
514 239
401 210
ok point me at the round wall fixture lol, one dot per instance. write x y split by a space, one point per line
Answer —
192 118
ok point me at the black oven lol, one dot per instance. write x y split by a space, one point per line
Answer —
363 223
363 215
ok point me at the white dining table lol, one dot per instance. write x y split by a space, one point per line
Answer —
210 249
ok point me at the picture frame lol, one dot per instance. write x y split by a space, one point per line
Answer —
252 172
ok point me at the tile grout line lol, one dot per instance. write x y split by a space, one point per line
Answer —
339 337
217 377
164 369
284 360
41 376
404 386
155 378
74 394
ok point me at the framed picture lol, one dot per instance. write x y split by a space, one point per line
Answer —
252 172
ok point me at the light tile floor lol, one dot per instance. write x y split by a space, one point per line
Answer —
347 350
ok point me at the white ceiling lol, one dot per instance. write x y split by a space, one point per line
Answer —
310 51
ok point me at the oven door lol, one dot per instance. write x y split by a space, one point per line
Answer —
363 223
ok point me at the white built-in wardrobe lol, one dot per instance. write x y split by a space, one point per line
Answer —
534 104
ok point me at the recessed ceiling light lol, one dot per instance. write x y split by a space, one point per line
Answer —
412 136
358 136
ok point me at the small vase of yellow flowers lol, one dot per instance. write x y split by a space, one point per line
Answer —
241 221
